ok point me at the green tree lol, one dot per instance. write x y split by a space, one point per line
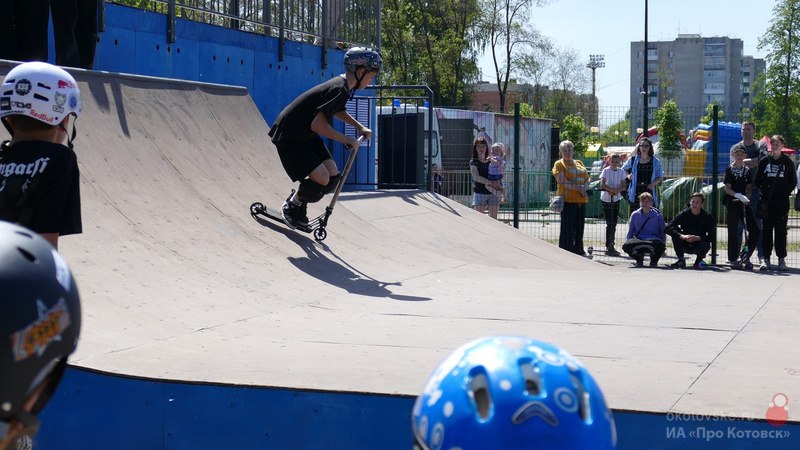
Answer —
777 105
574 129
512 40
710 113
431 43
669 120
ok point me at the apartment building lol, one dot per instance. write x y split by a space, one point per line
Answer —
694 71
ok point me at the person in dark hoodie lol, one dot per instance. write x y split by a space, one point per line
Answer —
776 178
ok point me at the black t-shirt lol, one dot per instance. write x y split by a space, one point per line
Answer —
757 150
738 179
644 173
40 187
294 122
483 170
687 223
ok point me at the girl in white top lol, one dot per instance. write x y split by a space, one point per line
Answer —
612 183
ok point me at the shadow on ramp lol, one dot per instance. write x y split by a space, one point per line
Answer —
339 274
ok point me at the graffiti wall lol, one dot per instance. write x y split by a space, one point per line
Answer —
534 148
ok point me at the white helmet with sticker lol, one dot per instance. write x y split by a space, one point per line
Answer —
41 91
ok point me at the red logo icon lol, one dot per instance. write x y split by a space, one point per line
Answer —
778 412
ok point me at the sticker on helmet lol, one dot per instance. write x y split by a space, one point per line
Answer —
62 274
42 116
48 327
60 100
23 87
73 101
5 103
63 84
534 409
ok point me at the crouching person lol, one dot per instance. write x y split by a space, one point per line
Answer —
646 233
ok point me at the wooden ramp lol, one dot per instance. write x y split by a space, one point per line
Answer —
180 283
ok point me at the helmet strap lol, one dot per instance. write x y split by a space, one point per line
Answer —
8 127
358 81
69 138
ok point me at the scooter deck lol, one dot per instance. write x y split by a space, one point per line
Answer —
258 209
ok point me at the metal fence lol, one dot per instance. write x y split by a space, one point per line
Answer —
320 22
536 219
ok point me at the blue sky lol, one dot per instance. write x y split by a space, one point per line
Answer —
608 28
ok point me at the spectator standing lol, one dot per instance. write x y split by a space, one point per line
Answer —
613 181
776 178
23 29
755 152
479 168
692 231
572 179
737 203
644 172
75 32
439 181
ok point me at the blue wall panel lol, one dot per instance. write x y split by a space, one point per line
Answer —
135 41
97 411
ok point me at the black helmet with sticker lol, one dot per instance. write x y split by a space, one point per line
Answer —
40 320
362 57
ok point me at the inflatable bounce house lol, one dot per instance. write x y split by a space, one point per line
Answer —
702 152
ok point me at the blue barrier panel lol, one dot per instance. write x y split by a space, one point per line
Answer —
99 411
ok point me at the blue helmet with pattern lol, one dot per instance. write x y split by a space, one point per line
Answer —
508 392
362 57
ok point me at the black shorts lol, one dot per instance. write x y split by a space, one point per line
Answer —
299 160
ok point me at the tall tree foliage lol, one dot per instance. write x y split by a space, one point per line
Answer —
777 106
669 120
431 43
508 34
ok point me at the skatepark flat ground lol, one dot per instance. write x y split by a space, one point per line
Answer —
180 283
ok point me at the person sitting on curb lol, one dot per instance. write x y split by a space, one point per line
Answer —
646 232
692 231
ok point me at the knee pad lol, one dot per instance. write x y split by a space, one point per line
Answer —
332 183
310 191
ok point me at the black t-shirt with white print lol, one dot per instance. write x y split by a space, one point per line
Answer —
40 187
294 122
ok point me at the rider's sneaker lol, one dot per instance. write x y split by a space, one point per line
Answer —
290 212
782 264
612 252
765 265
302 217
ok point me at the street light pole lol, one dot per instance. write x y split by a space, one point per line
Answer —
595 62
644 88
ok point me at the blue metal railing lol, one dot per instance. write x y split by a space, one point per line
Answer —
327 23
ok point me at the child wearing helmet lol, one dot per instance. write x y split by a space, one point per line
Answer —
297 130
511 392
40 320
39 177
